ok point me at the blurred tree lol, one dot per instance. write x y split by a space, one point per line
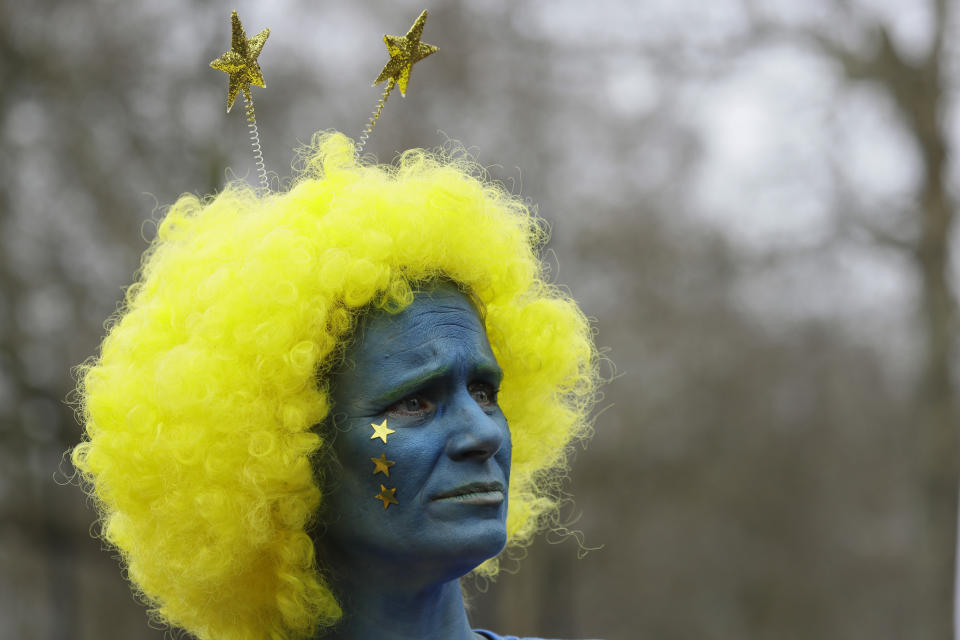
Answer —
918 87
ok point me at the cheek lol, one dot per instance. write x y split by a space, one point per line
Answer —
351 447
414 453
415 458
353 478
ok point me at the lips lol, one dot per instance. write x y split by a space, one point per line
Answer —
472 489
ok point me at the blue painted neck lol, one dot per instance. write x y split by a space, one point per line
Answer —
390 614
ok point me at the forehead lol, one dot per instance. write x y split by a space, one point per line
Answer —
440 320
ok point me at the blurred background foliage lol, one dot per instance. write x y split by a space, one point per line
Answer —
754 199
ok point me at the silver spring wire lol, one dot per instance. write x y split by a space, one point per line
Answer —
255 141
373 119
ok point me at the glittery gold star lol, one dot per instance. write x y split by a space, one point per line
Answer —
381 431
382 465
404 52
241 61
387 495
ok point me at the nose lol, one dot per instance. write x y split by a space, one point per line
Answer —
474 434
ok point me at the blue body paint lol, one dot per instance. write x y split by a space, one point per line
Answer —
430 373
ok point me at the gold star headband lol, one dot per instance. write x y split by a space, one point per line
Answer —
241 65
404 52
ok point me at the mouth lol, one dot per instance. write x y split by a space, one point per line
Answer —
474 493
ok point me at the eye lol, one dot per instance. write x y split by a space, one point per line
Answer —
484 393
414 405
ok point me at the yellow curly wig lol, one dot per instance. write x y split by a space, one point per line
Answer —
201 409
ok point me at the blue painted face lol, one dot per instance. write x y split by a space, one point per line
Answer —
427 371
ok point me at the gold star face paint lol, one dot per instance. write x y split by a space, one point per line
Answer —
382 465
387 495
381 431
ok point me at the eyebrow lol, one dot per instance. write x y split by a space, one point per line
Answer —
415 382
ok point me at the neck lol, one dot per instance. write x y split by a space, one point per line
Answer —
395 598
386 610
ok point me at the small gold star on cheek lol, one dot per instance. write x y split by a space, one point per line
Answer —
382 465
387 495
381 431
241 61
404 52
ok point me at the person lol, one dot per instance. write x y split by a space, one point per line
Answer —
316 410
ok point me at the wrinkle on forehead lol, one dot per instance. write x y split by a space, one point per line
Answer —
440 314
436 330
439 331
422 311
423 340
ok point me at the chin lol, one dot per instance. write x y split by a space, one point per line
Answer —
488 542
482 544
461 549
